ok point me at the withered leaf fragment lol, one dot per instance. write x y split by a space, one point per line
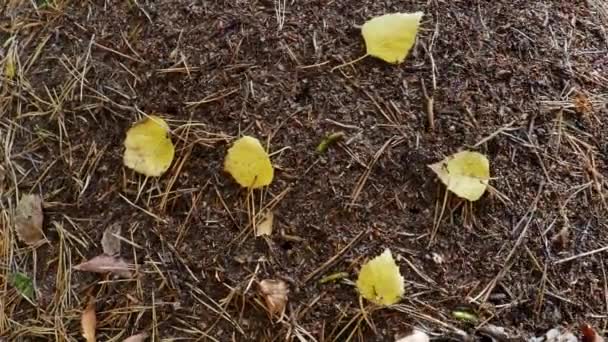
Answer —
88 321
29 219
109 242
104 264
274 293
141 337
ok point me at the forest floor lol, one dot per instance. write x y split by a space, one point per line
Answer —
524 82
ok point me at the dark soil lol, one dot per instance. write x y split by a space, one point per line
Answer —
509 70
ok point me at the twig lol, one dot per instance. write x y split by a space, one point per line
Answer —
430 113
365 176
485 293
595 251
335 258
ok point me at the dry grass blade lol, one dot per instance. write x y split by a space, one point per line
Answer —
336 257
363 179
29 219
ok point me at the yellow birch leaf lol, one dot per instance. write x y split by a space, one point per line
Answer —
380 281
465 173
249 164
148 147
390 37
9 67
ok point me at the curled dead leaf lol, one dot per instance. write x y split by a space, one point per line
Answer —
104 264
274 293
495 333
559 334
590 335
415 336
562 238
141 337
109 242
265 227
582 104
29 219
437 258
88 321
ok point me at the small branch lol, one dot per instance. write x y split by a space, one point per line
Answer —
335 258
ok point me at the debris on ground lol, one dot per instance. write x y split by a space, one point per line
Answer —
110 242
141 337
266 225
557 334
29 219
88 321
106 264
415 336
274 293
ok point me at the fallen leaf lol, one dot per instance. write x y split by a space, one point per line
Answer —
582 104
104 264
437 258
265 227
148 147
380 280
274 293
559 335
9 65
141 337
23 284
464 315
415 336
29 219
495 333
464 173
562 238
249 163
390 37
590 335
88 321
109 242
328 141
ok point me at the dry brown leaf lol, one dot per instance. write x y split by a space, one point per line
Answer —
109 242
104 264
141 337
29 219
590 335
562 238
559 334
88 321
275 295
265 227
582 104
